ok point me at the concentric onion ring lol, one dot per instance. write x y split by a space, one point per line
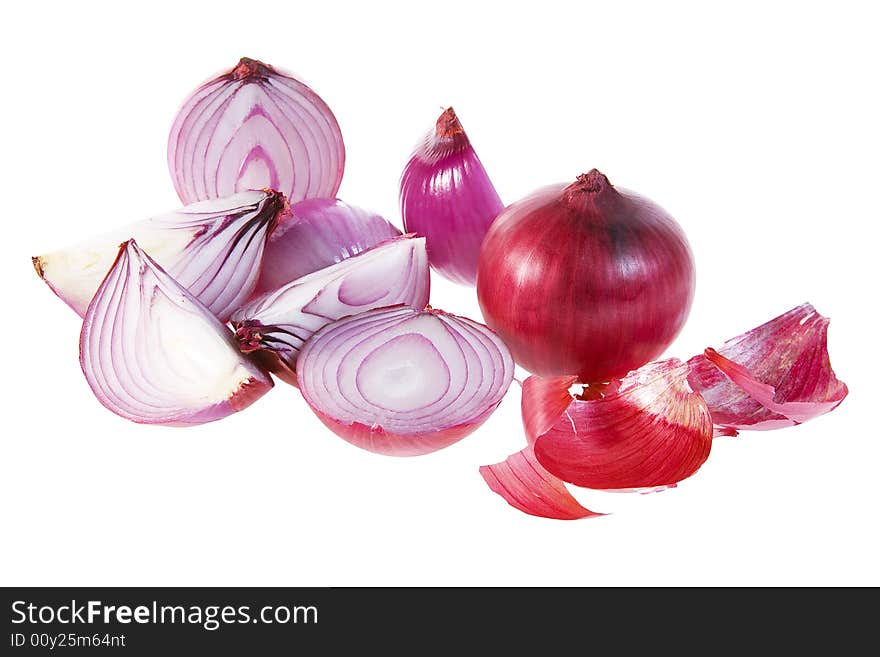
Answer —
404 382
152 353
251 128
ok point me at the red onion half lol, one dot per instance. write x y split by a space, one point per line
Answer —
776 375
251 128
275 326
446 195
213 248
153 354
404 382
317 233
585 279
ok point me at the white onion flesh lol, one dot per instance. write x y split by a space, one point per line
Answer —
394 272
153 354
213 248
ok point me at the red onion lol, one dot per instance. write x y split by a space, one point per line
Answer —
585 279
275 326
527 486
776 375
316 234
152 353
213 248
404 382
251 128
446 195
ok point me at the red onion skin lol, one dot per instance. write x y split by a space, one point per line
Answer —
776 375
446 195
525 485
293 141
651 432
317 233
585 280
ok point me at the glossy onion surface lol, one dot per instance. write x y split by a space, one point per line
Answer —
585 280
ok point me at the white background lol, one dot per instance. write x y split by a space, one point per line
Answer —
755 125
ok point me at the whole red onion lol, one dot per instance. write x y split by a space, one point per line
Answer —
585 279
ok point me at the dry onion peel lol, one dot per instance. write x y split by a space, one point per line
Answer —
652 431
153 354
213 248
775 375
404 382
527 486
275 326
317 233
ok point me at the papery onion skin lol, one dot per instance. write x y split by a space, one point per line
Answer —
776 375
403 382
274 326
651 431
585 280
255 127
153 354
317 233
526 485
446 195
213 248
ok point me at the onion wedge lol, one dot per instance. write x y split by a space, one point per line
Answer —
213 248
153 354
275 326
776 375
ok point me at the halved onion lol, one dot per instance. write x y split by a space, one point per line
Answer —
153 354
404 382
255 127
212 248
776 375
527 486
315 234
275 325
649 431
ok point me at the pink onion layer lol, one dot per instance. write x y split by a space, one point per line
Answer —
527 486
153 354
776 375
213 248
404 382
318 233
585 279
275 326
446 195
651 431
251 128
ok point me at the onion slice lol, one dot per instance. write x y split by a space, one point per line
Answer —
152 353
255 127
527 486
318 233
649 432
275 325
404 382
776 375
446 195
212 248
